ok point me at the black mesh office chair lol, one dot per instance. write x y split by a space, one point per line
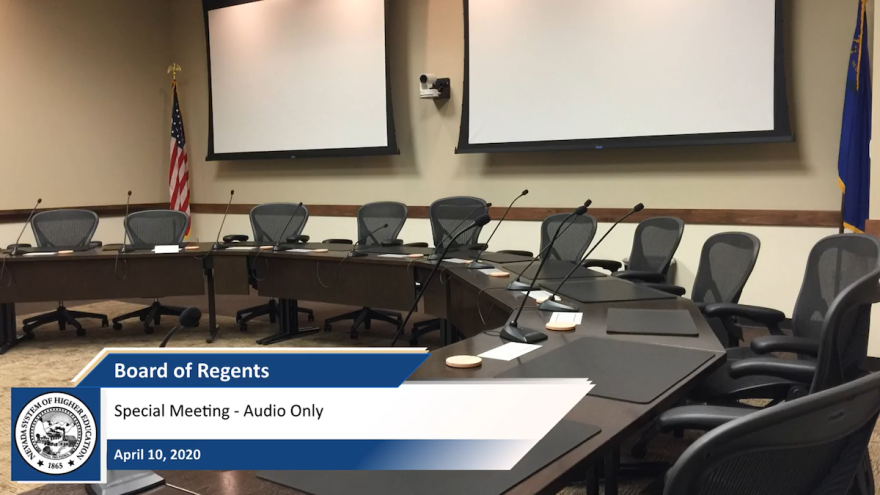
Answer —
726 263
654 244
573 241
150 228
272 223
814 445
448 216
63 229
830 336
369 218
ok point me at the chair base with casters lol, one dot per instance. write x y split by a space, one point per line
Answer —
63 317
364 317
423 328
150 315
269 309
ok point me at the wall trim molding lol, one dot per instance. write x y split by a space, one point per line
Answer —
783 218
779 218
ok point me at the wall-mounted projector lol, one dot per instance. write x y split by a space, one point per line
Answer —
433 87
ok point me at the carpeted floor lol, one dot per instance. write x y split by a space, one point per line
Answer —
54 357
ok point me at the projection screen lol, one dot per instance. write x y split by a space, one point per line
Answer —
588 74
298 78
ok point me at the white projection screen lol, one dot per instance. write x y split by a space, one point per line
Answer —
589 74
297 79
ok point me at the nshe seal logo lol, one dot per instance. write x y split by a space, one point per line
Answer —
55 433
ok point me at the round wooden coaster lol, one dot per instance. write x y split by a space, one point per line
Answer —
191 248
499 274
66 251
463 361
416 255
560 326
321 251
266 247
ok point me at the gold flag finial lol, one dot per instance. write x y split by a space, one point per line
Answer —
173 69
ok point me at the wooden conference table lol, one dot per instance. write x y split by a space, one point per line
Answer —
474 303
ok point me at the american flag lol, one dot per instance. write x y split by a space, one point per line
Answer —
178 172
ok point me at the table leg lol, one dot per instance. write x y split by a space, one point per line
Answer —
8 335
593 480
288 322
212 309
612 467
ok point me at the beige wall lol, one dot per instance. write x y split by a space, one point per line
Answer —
84 101
427 35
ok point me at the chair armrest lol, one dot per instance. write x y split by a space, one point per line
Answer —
21 245
785 343
796 370
668 288
298 238
703 418
416 244
95 244
229 239
766 316
337 241
640 276
518 252
610 265
392 242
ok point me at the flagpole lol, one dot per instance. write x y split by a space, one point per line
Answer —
840 227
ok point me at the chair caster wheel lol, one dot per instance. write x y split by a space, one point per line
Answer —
639 451
143 317
310 318
80 332
29 336
104 322
117 326
328 327
148 330
242 327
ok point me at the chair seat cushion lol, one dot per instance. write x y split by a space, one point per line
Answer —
720 386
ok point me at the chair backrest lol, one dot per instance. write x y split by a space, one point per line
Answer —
834 264
726 262
156 227
64 228
812 445
655 243
573 240
449 215
269 219
371 216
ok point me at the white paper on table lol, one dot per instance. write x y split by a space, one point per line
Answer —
567 318
509 351
240 248
490 271
174 248
300 250
41 253
540 294
393 256
456 260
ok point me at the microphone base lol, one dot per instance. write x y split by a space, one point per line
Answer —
280 248
435 257
555 306
476 265
515 333
217 246
125 250
356 254
517 285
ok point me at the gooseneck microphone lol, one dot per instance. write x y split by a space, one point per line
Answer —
516 284
15 248
217 244
475 264
124 249
478 222
434 256
512 331
354 253
281 237
188 319
551 304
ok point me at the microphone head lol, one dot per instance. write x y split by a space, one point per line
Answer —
39 200
300 203
639 207
482 220
488 205
580 210
190 317
385 226
232 192
525 191
129 193
588 202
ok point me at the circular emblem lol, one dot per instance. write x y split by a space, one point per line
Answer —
55 433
